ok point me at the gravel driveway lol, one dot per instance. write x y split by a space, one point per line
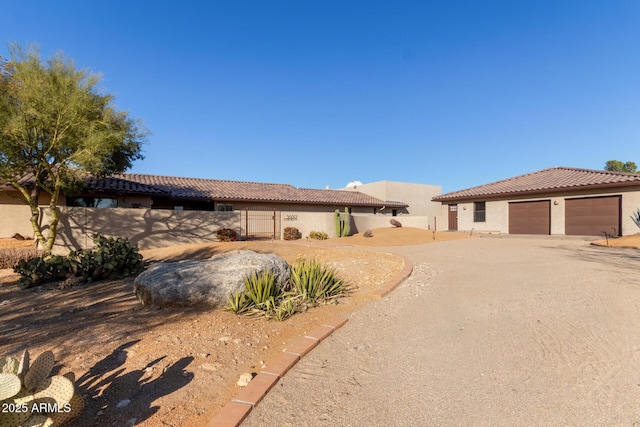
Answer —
486 332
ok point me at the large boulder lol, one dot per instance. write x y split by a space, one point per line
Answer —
204 282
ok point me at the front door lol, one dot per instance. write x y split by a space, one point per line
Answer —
453 217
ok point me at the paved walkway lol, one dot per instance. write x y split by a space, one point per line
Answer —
485 332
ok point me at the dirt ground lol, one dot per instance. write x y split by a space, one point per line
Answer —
178 367
632 242
511 331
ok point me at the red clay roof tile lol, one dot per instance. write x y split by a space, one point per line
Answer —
207 189
545 181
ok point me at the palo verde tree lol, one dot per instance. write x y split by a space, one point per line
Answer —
55 128
618 166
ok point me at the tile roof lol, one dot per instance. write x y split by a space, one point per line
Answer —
546 181
207 189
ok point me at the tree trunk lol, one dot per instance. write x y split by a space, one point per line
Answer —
32 201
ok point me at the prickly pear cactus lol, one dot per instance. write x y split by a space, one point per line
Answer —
39 370
58 388
23 365
10 385
9 365
25 388
19 409
62 418
39 420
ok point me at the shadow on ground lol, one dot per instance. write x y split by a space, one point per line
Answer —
114 396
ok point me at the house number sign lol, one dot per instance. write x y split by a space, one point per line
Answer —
291 218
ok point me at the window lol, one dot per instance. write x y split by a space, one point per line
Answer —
479 212
92 202
224 208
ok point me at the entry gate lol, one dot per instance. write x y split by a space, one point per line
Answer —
260 223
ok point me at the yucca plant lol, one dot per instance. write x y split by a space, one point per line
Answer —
261 288
238 303
315 281
285 309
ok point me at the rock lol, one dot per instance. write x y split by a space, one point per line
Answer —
368 233
245 379
395 223
204 282
123 403
211 367
18 236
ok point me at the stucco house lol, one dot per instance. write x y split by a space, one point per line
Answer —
554 201
155 210
417 197
179 193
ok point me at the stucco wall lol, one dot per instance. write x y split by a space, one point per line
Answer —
15 216
146 228
497 211
417 196
364 222
15 219
306 222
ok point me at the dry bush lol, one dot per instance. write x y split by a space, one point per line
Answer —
9 257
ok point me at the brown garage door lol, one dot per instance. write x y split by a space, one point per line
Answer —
591 216
530 217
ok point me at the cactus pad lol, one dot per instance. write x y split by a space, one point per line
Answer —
39 370
13 419
10 385
23 364
57 388
9 365
62 418
38 420
16 418
70 376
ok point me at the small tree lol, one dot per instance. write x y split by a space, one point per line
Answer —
55 127
618 166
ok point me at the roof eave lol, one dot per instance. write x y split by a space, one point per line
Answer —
536 192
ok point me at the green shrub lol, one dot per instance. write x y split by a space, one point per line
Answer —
292 233
111 258
318 235
226 235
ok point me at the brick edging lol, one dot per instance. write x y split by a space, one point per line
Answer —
395 280
235 412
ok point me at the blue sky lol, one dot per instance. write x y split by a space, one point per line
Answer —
320 93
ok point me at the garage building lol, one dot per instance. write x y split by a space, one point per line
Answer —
554 201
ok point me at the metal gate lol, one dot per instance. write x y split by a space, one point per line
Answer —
260 223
